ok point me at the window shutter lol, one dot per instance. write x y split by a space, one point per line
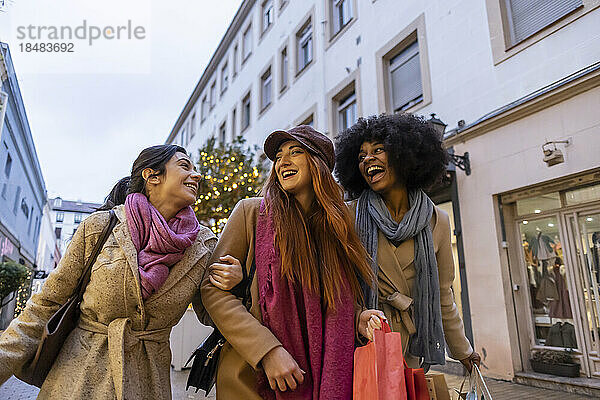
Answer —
527 17
405 77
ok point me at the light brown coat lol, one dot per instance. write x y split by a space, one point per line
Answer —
396 280
121 347
247 339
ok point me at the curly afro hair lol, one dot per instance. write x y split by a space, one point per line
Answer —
413 146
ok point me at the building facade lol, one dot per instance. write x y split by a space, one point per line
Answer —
22 187
508 78
66 216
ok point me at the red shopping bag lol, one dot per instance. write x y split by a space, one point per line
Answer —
379 373
378 369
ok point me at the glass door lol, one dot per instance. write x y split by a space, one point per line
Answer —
584 232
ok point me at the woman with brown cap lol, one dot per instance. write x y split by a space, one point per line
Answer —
297 339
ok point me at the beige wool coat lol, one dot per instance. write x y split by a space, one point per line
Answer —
396 278
120 349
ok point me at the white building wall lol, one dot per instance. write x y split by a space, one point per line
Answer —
467 81
45 259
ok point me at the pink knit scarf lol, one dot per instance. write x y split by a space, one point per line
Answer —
321 342
159 244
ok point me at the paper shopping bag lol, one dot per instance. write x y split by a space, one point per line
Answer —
379 368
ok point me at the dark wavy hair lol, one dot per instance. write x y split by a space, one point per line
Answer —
414 150
154 157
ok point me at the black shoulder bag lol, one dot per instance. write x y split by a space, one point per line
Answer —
203 374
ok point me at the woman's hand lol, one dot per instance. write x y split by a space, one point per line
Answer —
282 370
368 321
226 274
468 362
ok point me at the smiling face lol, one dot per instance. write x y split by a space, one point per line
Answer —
374 168
179 183
291 167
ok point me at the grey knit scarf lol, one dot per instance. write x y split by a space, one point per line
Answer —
373 215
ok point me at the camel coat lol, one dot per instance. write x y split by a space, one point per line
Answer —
248 341
120 349
396 279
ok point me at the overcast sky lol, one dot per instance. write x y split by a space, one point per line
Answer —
93 110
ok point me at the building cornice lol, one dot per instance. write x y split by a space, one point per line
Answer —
234 27
572 85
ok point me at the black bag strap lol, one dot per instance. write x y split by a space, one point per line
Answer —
249 277
87 272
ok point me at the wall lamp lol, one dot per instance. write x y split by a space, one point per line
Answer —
461 162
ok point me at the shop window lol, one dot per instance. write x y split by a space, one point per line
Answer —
543 256
583 195
538 204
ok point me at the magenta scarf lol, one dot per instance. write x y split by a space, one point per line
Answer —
159 244
321 343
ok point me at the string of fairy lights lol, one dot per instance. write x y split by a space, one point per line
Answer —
23 294
228 174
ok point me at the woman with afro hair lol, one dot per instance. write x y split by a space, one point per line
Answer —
385 163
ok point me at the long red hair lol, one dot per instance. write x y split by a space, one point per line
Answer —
317 249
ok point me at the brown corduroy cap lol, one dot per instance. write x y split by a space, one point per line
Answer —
310 139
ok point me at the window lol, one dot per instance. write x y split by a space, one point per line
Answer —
246 112
525 17
284 70
233 124
17 197
305 46
224 78
58 202
78 217
30 222
25 207
204 108
265 89
247 43
268 13
4 190
193 126
60 216
183 137
235 60
213 95
222 133
310 121
8 165
405 78
57 232
342 14
347 112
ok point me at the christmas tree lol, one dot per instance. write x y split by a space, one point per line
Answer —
229 173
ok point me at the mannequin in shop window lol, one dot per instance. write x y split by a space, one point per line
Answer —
595 250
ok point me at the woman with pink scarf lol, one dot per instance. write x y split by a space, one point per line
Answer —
142 281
